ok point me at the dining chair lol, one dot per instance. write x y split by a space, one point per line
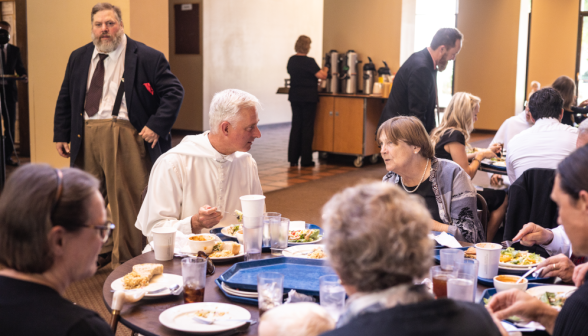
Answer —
483 213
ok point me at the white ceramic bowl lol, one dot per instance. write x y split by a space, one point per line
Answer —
194 246
505 282
239 237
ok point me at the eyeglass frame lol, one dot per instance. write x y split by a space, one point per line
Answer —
108 226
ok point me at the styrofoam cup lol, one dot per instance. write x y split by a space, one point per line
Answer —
252 205
164 239
488 255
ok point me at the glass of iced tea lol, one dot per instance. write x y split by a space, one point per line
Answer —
270 290
440 278
194 277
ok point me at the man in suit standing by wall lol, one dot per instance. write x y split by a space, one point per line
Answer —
414 90
9 95
117 105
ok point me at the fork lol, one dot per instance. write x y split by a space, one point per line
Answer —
509 243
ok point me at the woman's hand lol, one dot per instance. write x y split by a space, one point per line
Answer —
486 154
495 148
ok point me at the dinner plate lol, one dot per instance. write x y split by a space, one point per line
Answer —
225 229
237 292
180 317
537 291
301 251
520 267
157 282
241 253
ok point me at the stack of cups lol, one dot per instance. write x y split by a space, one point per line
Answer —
488 255
252 206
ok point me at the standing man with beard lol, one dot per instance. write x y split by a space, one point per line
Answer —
116 107
414 90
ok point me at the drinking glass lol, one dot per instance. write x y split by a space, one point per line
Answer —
470 267
439 276
451 258
270 290
461 287
194 277
252 237
279 235
268 219
332 295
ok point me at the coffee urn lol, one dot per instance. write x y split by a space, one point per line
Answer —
332 62
349 84
369 74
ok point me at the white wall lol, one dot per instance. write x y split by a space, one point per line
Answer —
246 46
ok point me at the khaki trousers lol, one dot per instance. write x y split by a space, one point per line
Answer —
115 154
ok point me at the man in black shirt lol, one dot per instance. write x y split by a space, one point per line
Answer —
414 90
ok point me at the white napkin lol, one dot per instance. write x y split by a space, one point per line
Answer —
297 225
446 240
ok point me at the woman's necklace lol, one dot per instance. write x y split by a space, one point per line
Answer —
422 178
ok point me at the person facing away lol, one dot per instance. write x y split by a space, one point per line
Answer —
414 90
117 128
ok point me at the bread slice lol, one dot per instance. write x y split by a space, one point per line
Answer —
232 246
141 275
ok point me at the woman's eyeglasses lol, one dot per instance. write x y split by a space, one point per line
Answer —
104 229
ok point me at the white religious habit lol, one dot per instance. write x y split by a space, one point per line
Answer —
191 175
544 145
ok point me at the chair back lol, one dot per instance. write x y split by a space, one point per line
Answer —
483 213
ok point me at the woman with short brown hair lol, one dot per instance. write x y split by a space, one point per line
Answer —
567 89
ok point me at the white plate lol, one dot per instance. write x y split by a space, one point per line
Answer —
297 251
306 243
179 317
537 291
237 292
226 233
494 163
527 267
157 282
186 250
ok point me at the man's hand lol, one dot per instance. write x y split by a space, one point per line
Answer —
149 136
584 103
558 266
496 180
517 303
62 149
579 274
532 234
206 218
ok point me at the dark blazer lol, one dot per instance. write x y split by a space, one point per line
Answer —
157 110
413 90
12 64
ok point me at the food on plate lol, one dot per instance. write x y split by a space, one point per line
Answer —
202 238
303 236
239 216
141 275
470 253
209 314
498 159
232 230
317 253
225 249
514 257
556 300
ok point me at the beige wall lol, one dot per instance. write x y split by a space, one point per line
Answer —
246 46
487 63
149 19
188 68
48 55
370 27
554 38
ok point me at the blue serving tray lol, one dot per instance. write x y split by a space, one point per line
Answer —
234 298
300 274
490 282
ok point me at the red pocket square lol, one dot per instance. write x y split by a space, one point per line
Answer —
149 88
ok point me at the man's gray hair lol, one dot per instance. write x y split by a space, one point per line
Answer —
296 319
583 127
106 6
225 106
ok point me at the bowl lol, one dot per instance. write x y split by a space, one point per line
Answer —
505 282
205 245
239 237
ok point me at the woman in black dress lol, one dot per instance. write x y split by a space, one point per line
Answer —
450 140
303 96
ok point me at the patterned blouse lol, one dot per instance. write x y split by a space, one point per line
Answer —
456 198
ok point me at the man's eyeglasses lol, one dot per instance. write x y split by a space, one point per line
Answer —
104 230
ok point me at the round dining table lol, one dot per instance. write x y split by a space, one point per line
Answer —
143 316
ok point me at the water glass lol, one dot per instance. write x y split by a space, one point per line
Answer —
268 219
470 268
279 235
461 287
194 278
451 259
252 237
439 276
332 295
270 290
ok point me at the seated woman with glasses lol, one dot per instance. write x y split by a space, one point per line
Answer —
377 240
446 189
52 227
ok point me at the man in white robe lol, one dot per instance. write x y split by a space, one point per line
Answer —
197 184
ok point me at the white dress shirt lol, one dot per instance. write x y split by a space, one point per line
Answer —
191 175
544 145
114 67
559 244
511 127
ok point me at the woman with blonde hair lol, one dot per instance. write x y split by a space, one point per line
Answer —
450 140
